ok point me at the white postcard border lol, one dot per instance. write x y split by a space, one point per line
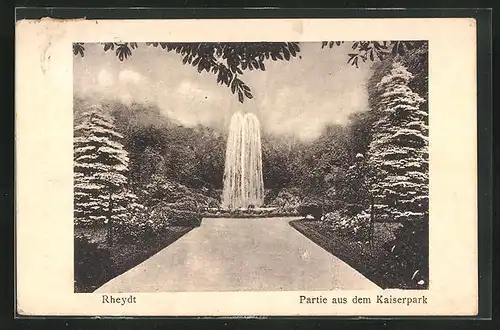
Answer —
44 165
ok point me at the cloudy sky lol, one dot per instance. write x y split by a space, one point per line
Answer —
297 97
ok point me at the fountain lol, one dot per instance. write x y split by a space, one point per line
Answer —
243 182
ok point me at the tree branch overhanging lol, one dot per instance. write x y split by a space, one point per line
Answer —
228 61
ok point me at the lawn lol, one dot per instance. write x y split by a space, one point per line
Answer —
371 260
96 262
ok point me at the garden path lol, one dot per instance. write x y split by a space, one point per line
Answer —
264 254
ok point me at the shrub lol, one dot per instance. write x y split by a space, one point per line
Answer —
165 214
151 224
186 204
213 205
333 205
353 209
163 190
92 264
285 211
93 234
201 200
287 198
270 195
409 252
136 228
356 227
313 209
312 200
385 231
184 218
214 195
252 213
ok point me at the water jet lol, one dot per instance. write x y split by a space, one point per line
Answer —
243 181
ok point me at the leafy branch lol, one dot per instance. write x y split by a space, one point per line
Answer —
78 48
364 50
228 61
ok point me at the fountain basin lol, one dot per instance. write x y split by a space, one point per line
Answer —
257 212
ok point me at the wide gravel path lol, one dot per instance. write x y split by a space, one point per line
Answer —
264 254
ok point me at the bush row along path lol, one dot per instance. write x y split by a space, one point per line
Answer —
264 254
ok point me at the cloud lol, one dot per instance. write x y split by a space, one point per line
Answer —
185 87
297 97
104 78
191 103
190 89
130 76
126 98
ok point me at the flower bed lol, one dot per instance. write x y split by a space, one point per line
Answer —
96 262
387 261
250 213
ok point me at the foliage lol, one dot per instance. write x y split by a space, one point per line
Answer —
359 134
417 63
398 156
161 189
398 161
137 228
330 171
252 213
288 198
95 264
101 167
356 189
188 203
214 194
153 223
354 227
178 181
372 260
364 50
320 163
167 214
92 264
277 161
160 148
313 209
270 195
409 252
228 60
159 218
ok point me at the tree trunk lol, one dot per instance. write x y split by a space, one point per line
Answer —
110 220
372 219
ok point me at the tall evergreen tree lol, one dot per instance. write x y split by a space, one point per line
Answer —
100 170
398 152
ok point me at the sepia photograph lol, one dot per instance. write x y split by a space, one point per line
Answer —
250 166
246 167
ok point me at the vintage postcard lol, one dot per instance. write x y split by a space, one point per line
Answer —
279 167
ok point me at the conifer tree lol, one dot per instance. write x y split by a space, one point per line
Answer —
100 170
398 152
